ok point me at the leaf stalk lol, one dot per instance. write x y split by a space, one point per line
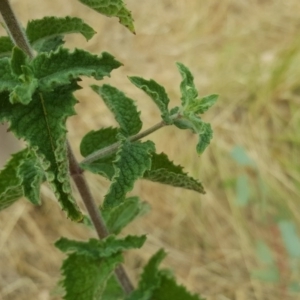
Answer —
114 147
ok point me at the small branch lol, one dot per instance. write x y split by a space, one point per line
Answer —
85 193
147 131
96 218
124 280
14 29
114 147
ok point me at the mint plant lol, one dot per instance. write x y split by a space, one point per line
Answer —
38 77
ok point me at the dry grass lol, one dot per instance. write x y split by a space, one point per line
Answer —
246 51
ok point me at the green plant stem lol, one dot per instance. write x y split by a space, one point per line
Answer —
19 38
114 147
14 29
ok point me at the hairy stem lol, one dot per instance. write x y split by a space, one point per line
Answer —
14 29
85 193
94 213
114 147
19 38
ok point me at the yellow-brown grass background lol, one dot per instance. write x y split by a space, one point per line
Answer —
248 53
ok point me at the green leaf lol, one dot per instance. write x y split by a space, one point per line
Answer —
50 44
114 8
18 60
7 80
194 123
164 171
96 140
103 167
10 183
133 159
85 277
150 273
203 104
113 290
157 93
187 87
150 278
169 289
23 92
6 46
118 217
32 177
205 135
27 85
93 263
42 124
101 248
192 107
61 67
183 123
22 176
122 107
40 32
159 285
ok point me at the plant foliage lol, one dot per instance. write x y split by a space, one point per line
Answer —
36 99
